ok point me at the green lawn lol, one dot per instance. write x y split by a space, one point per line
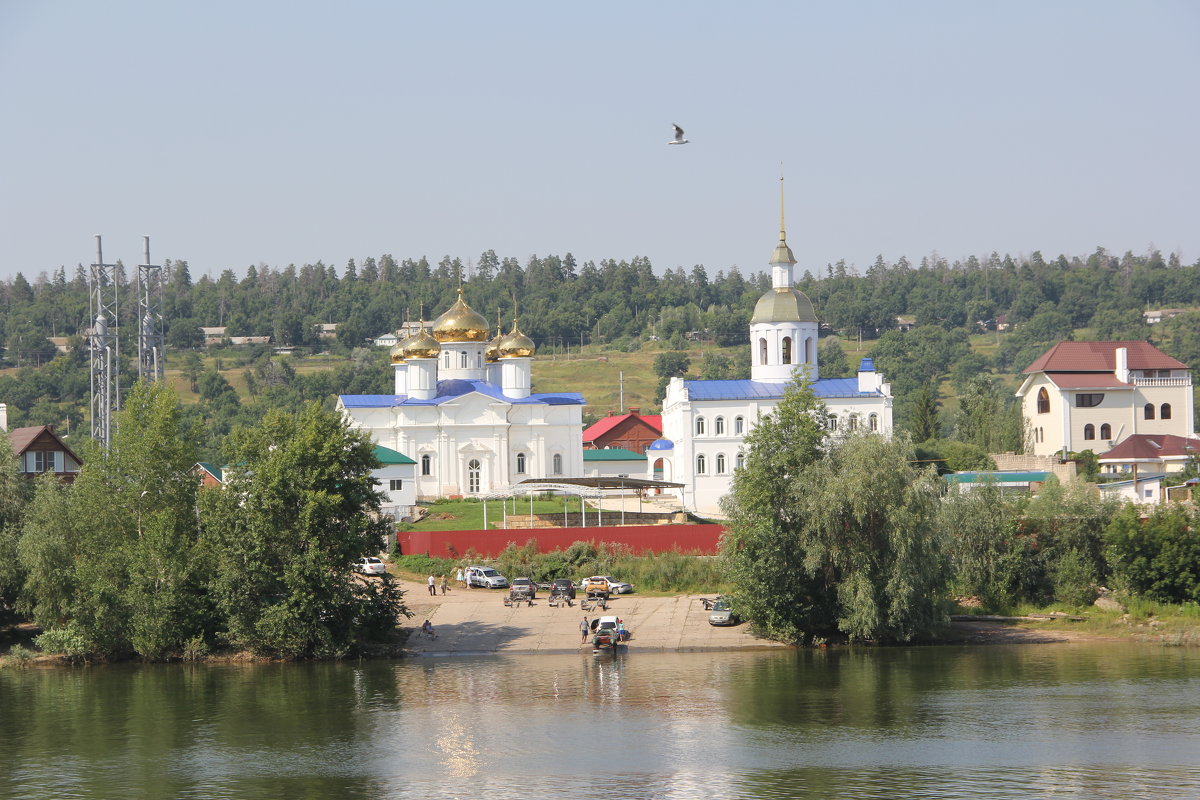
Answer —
467 515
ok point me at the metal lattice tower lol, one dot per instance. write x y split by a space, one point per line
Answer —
104 348
151 352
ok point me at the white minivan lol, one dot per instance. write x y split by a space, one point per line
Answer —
485 577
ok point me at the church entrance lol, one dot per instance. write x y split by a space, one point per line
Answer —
473 470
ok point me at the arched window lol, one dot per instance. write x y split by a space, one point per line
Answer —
808 354
873 422
1043 401
1105 431
701 465
720 463
1089 432
446 359
739 426
719 426
427 464
462 359
520 463
787 350
740 461
1149 411
854 422
557 462
1165 411
473 470
478 360
762 351
831 422
699 426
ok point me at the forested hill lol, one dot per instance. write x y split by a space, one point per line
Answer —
616 304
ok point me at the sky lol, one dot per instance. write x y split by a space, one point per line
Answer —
247 133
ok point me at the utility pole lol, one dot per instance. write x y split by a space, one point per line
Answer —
621 383
151 347
103 348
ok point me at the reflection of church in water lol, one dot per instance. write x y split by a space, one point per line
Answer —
464 410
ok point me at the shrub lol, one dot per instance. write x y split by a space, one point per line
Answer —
68 641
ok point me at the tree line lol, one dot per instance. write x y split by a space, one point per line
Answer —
853 540
136 559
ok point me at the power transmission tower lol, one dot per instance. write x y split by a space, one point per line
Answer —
104 348
151 352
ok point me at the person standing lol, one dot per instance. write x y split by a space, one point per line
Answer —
442 582
583 630
432 587
459 578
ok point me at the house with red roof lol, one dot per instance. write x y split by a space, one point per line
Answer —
1095 395
633 431
1149 453
39 449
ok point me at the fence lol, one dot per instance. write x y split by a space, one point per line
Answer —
702 539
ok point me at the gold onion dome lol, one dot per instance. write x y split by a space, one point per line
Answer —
421 346
460 323
491 353
516 344
397 352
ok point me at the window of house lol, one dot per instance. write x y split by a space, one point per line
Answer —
1149 411
854 422
395 484
462 359
1105 431
740 461
35 461
808 359
739 426
1165 411
699 426
831 422
787 350
426 464
1088 400
557 463
720 463
701 464
762 351
1089 432
446 359
873 422
719 426
520 463
1043 401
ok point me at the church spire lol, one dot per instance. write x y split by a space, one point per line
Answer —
782 259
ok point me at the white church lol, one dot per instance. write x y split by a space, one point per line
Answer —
463 409
705 422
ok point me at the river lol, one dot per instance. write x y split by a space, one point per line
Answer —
1108 720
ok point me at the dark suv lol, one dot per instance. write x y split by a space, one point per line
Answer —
563 586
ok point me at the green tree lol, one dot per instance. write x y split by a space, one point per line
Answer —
298 508
666 366
832 544
14 493
988 557
832 359
989 417
1158 558
925 423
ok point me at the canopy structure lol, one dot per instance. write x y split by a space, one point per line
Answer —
597 488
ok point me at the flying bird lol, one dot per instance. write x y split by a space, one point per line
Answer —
678 137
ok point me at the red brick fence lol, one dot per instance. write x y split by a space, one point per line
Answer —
639 538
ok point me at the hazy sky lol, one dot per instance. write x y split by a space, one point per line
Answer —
238 133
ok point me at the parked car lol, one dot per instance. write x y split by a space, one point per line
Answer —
613 585
370 566
486 577
525 585
564 586
722 613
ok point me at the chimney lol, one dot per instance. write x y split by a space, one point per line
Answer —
633 410
1122 368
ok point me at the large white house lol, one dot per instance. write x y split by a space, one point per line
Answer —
705 422
1094 395
463 409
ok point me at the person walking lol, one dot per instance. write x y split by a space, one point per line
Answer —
583 630
442 582
432 587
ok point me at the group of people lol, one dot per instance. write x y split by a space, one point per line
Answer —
434 583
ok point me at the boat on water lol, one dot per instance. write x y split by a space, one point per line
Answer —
608 633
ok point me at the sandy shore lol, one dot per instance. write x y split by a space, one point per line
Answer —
476 622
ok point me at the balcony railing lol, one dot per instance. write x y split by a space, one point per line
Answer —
1162 381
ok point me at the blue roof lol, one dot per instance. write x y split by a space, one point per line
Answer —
450 389
866 365
750 390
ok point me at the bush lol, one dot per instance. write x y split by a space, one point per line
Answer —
68 641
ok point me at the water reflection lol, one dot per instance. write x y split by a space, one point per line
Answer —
1073 721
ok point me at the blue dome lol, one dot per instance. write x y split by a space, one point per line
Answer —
661 444
866 365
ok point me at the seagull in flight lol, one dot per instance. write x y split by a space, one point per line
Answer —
678 137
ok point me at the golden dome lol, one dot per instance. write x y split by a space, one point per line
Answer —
421 346
516 344
397 352
491 353
460 323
